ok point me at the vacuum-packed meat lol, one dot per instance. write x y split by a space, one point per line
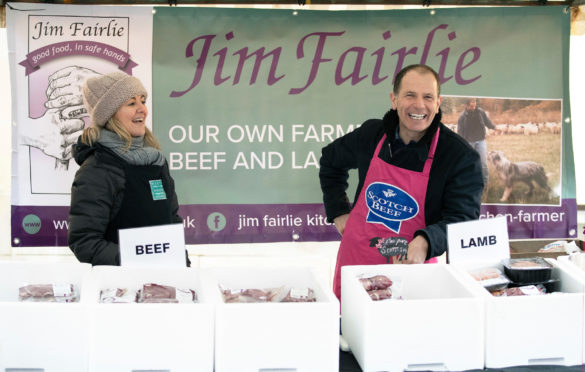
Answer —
48 293
300 295
380 294
150 293
247 295
527 290
157 293
378 287
118 295
376 282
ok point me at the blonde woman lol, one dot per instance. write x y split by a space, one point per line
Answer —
123 180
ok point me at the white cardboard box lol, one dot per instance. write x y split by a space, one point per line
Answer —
438 325
147 336
298 337
574 262
51 337
534 330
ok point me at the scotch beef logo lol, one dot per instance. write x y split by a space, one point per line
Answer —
389 205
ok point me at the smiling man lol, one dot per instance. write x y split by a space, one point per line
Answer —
407 159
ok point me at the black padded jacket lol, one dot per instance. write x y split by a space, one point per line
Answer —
96 196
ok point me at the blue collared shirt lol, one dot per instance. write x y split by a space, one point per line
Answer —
397 143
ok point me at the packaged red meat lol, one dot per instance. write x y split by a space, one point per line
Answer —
185 295
118 295
380 294
490 278
376 282
485 273
251 295
161 300
152 290
381 287
525 264
300 295
550 285
157 293
497 292
48 293
527 270
527 290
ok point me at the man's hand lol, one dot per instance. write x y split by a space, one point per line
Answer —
340 222
417 251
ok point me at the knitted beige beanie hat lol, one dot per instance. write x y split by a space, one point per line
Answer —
105 94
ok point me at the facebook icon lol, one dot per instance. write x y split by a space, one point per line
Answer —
216 221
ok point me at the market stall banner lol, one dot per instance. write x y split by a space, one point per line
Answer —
53 49
243 100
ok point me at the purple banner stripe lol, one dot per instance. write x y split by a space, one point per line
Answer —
537 221
253 223
68 48
204 224
34 226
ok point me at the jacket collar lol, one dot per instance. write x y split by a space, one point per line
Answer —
390 123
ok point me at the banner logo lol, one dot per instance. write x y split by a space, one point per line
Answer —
31 224
216 221
389 205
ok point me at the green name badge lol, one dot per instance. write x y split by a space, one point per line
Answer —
157 190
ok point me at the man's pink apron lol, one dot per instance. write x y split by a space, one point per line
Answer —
391 204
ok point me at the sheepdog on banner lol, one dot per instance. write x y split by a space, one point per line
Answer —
528 172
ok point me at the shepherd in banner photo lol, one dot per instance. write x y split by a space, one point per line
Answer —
509 134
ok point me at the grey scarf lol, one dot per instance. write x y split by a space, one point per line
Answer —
137 154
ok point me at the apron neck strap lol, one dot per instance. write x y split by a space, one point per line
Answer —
379 146
429 161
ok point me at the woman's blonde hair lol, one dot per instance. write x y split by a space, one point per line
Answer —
91 134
